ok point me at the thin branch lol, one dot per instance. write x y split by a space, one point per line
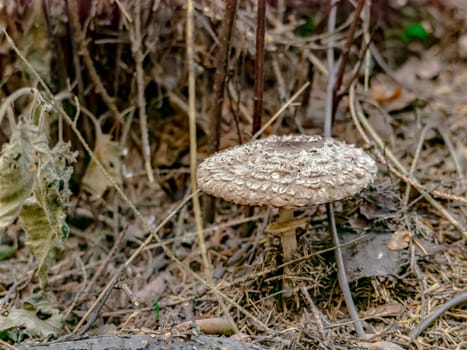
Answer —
84 52
457 300
342 276
345 57
259 67
136 48
215 118
193 152
192 126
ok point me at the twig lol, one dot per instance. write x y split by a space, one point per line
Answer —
215 117
454 156
80 292
136 48
93 311
75 47
331 73
345 57
341 274
367 40
259 67
316 313
221 68
193 146
84 52
193 153
123 285
110 256
457 300
7 346
413 167
301 112
281 110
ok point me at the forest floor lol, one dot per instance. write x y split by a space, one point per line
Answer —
404 238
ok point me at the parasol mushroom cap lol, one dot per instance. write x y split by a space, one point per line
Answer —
289 171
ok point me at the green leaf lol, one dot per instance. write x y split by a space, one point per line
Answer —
156 309
415 32
7 251
307 28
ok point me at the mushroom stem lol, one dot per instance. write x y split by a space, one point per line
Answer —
288 237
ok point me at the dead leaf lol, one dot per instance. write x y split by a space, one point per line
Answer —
381 345
429 69
400 240
17 318
390 95
108 153
383 93
173 140
34 43
371 257
384 310
16 175
155 288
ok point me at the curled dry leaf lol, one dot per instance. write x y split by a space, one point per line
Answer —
17 173
33 325
400 240
383 93
43 215
390 95
108 153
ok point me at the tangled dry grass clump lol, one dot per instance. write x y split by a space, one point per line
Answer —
119 251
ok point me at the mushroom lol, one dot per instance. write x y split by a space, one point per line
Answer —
287 172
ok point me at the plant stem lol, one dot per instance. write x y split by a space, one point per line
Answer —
259 67
209 203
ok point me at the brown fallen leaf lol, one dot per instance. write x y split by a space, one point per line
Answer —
385 310
428 69
383 93
400 240
381 345
108 153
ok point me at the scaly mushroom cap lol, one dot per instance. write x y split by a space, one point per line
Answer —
289 171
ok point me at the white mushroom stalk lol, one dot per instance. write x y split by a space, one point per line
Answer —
287 172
